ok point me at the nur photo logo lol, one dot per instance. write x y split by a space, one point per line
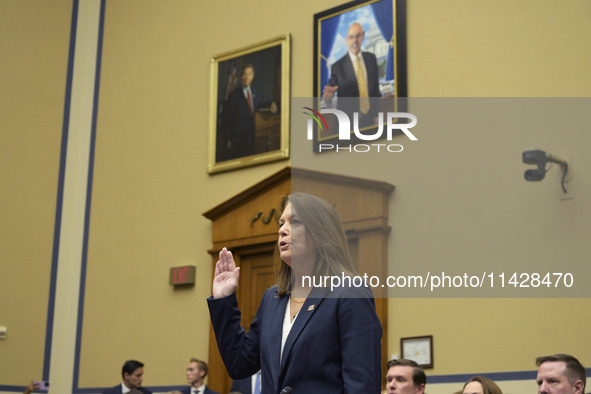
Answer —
387 123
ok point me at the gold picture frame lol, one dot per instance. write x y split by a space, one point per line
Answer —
250 126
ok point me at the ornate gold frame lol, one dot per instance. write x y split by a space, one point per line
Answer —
265 152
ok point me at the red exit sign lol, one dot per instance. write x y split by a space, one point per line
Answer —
182 275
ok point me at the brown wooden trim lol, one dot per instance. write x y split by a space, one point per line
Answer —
248 194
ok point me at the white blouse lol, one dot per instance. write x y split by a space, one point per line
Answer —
287 325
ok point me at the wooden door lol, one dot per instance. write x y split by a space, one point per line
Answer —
257 274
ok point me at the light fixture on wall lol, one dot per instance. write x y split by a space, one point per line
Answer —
541 159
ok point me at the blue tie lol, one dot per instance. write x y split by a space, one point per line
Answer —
257 384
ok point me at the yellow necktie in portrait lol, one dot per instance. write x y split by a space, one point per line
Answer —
362 85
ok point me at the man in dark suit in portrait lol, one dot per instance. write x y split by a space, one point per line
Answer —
355 75
196 373
132 374
238 118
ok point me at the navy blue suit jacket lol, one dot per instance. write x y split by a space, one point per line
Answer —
117 390
332 348
243 386
187 390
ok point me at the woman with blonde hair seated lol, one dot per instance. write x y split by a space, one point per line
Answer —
481 385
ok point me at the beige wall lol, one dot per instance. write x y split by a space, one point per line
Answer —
463 48
34 47
151 185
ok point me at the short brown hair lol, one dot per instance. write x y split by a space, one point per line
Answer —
202 365
244 67
575 369
418 375
488 386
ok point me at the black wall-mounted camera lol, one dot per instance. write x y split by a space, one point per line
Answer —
541 158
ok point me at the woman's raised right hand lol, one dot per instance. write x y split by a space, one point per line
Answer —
225 281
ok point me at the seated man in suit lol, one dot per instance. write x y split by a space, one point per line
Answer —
560 374
132 373
405 377
251 385
196 373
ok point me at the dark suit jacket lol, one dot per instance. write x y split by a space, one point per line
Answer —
342 74
117 390
332 348
187 390
238 124
243 386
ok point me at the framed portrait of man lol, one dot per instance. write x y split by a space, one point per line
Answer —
359 61
249 108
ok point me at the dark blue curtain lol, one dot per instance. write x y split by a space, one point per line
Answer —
384 17
328 33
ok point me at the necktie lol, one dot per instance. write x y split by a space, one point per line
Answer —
257 384
249 100
362 85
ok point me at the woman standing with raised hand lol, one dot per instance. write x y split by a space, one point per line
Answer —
312 340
